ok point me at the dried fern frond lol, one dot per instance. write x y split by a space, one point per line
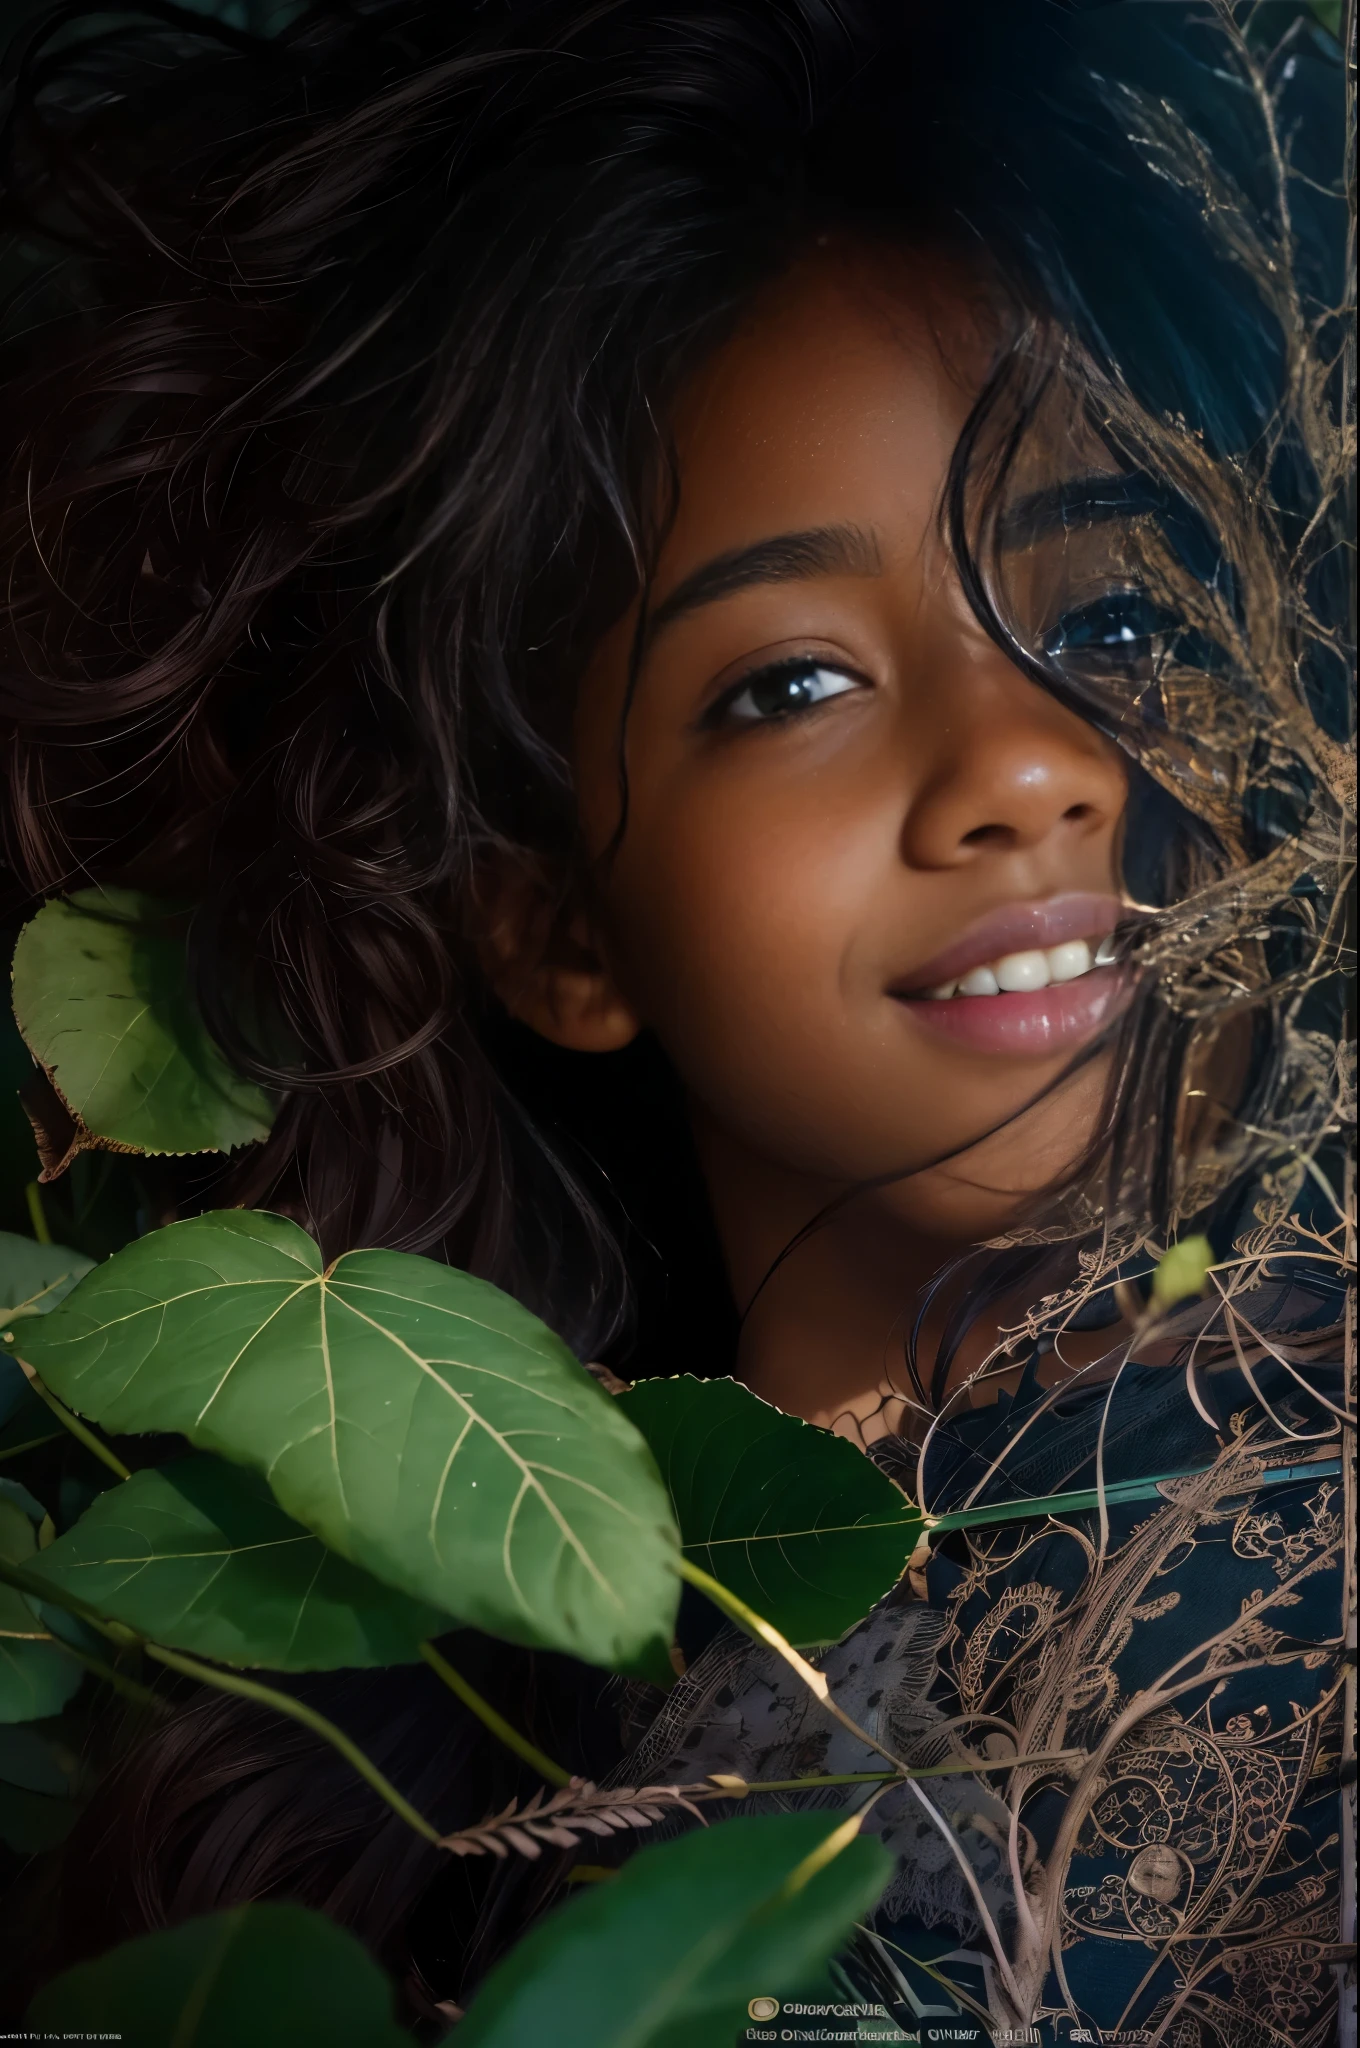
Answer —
579 1808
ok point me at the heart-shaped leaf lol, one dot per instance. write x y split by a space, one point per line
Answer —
102 997
796 1521
275 1976
198 1555
672 1949
36 1678
419 1421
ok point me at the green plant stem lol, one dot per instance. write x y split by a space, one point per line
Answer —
971 1768
34 1588
33 1444
1116 1493
129 1687
74 1424
487 1715
33 1196
224 1681
297 1710
756 1626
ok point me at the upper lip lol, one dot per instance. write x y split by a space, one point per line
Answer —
1015 928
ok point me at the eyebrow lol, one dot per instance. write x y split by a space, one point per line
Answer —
1078 501
783 558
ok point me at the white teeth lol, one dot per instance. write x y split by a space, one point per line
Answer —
1021 973
1066 962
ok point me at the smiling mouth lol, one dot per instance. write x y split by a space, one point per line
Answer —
1026 972
1035 977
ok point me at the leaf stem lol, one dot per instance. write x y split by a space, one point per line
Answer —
37 1215
298 1710
487 1715
33 1443
765 1632
972 1767
74 1423
35 1588
129 1687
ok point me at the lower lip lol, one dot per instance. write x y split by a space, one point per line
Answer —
1048 1020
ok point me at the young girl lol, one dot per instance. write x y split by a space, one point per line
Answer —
731 617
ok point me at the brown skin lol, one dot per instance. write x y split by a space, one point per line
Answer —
775 877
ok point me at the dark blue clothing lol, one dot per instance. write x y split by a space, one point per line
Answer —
1200 1893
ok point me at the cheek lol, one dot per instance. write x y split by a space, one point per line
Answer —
744 935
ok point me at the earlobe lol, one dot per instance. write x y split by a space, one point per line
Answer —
543 958
580 1010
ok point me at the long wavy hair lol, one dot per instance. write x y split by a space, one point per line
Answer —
337 373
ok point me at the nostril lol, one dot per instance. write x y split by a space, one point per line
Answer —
987 835
1077 814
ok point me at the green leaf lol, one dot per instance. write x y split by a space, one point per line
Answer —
673 1948
273 1976
36 1678
417 1420
36 1276
1182 1270
14 1490
795 1521
198 1555
102 997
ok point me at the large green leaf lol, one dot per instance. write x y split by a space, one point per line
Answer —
419 1421
272 1976
796 1521
36 1678
198 1555
675 1946
101 995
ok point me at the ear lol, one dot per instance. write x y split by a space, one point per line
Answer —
543 957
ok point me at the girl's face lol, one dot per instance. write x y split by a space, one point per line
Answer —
841 793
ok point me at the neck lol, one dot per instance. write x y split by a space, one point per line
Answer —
825 1333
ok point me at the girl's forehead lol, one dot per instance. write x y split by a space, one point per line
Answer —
841 394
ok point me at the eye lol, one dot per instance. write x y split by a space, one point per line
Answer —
781 691
1122 633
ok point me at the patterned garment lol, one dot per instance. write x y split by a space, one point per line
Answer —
1173 1877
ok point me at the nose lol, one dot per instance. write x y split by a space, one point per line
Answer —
1008 770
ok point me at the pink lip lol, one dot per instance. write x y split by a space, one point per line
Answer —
1015 928
1050 1020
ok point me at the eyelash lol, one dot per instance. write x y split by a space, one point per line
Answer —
720 713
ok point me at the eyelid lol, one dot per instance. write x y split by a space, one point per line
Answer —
713 713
